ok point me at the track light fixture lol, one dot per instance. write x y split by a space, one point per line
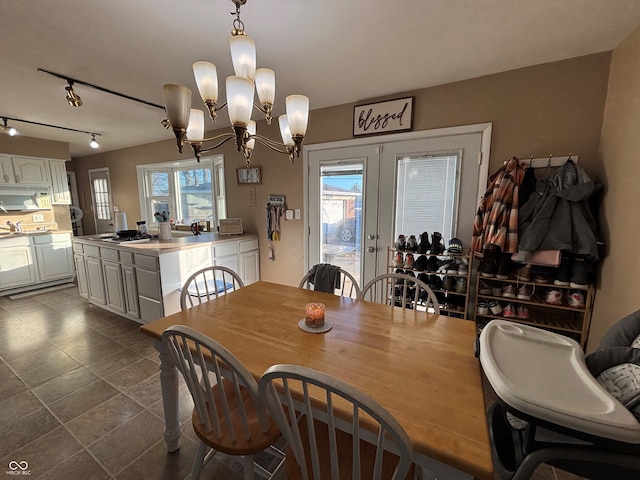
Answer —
188 123
72 97
11 131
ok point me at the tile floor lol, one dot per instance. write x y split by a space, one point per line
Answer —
80 397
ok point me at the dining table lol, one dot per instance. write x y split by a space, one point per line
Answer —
419 366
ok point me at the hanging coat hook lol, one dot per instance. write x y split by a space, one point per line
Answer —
549 162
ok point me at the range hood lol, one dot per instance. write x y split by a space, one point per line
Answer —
24 198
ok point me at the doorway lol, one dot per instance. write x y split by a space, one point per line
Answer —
361 194
101 200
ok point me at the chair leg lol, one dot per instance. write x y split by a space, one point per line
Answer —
248 467
198 461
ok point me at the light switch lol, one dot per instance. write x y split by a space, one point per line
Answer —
252 197
297 214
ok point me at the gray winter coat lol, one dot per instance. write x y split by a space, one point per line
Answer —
557 215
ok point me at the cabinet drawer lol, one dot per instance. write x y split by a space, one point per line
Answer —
126 257
92 250
148 284
78 247
150 310
248 245
15 242
146 261
230 248
42 239
109 254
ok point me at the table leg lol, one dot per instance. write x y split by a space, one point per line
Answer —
169 384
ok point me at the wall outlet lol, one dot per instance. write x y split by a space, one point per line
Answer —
38 217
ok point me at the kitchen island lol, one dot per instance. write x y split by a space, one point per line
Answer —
142 280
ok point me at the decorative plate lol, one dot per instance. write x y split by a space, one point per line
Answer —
306 328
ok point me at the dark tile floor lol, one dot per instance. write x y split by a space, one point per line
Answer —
80 397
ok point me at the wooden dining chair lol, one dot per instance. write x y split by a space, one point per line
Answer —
401 290
323 443
348 284
207 283
228 415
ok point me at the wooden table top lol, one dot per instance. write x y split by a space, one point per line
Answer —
421 368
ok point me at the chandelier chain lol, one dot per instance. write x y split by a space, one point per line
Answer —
238 25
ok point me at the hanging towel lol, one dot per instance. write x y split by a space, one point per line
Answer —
324 277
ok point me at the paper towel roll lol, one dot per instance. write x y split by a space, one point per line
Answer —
121 221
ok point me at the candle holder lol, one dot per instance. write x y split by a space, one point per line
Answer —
314 315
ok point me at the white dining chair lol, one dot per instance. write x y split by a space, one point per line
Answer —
207 283
228 415
324 443
401 290
348 284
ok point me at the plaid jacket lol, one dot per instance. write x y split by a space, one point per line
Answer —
496 220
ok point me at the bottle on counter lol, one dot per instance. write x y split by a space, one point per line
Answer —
142 227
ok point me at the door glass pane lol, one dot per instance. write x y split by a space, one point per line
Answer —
341 216
194 194
101 192
426 195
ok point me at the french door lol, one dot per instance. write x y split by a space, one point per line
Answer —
101 200
359 197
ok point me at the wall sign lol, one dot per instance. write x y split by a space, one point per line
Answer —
249 176
383 117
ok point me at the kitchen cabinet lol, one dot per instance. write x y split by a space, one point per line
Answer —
113 286
95 280
130 289
31 170
81 276
6 170
242 257
54 256
17 266
60 194
226 255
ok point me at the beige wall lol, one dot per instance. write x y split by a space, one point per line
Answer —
619 170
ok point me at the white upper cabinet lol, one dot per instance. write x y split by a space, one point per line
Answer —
60 194
6 170
31 171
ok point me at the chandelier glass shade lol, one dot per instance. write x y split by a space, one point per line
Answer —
188 124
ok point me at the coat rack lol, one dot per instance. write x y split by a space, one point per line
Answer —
550 161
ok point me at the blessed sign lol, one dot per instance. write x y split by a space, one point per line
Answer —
383 117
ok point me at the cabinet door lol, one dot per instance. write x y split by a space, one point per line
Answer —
250 267
95 280
60 186
229 262
54 260
113 291
81 276
31 170
130 291
17 267
6 170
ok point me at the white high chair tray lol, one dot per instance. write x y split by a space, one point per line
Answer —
543 374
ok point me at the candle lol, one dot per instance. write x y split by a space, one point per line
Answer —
314 314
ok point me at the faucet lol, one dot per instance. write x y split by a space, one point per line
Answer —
19 226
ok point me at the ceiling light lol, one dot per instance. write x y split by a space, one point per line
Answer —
94 143
186 122
11 131
72 97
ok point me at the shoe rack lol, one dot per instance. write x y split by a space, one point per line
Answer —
454 302
562 318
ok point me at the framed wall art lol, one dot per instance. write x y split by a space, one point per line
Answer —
249 176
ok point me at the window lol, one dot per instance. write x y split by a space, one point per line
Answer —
427 193
188 190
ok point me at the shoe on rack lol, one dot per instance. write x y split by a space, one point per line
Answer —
461 285
401 243
421 263
524 273
432 264
483 308
452 268
424 246
435 282
496 290
448 283
463 267
409 261
524 292
579 273
412 244
543 274
504 266
495 308
522 312
443 265
484 288
575 299
509 311
488 267
563 275
424 277
553 297
509 291
437 245
455 247
398 260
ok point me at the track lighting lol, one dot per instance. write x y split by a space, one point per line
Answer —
94 143
11 131
72 97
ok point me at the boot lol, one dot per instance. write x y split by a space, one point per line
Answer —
437 246
424 246
563 276
489 264
580 272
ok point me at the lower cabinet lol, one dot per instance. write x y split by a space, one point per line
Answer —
17 266
81 275
242 257
95 280
113 291
54 256
130 288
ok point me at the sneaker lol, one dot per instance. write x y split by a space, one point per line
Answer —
401 243
398 260
575 299
509 311
522 312
488 267
509 291
495 308
553 297
412 244
524 273
435 282
504 267
524 292
543 274
579 273
424 245
461 285
421 263
448 283
563 276
432 264
483 308
409 261
483 288
496 291
443 265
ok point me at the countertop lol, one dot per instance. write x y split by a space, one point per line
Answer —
30 233
157 247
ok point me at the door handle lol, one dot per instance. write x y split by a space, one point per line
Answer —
371 249
371 236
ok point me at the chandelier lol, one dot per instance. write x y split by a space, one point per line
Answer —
188 123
